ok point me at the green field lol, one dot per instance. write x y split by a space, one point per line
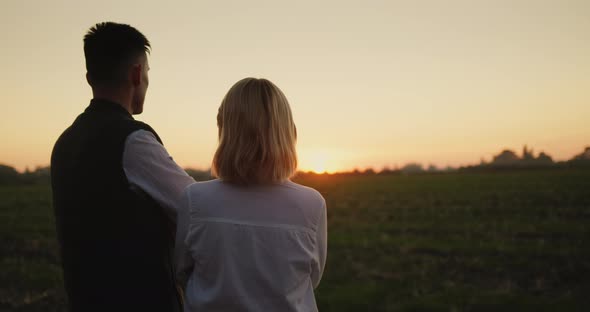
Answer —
506 241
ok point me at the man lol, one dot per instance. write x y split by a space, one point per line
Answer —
115 186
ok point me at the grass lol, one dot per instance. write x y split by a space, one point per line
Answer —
516 241
31 278
509 241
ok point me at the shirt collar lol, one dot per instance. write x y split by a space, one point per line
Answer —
103 105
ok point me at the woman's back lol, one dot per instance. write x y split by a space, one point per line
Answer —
254 248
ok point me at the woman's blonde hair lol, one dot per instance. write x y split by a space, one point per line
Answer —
257 135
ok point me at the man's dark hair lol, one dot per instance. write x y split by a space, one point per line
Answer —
109 48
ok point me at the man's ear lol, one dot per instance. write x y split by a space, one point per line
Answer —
88 79
136 74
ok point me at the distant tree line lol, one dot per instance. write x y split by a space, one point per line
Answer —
509 160
505 160
9 176
42 175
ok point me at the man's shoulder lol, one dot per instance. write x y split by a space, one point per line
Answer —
130 126
99 128
110 122
134 125
141 124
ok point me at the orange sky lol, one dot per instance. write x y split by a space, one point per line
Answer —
371 83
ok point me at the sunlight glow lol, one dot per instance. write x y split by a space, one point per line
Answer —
407 82
318 161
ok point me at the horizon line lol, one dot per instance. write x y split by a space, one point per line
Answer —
425 166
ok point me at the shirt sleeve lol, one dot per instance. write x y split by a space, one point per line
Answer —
321 247
149 167
183 262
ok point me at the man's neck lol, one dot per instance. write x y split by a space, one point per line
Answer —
117 97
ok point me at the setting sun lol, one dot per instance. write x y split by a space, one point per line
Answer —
318 161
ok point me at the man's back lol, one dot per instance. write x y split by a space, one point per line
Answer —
115 241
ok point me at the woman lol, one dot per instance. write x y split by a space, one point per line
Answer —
252 240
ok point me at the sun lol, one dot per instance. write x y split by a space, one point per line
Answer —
317 161
319 167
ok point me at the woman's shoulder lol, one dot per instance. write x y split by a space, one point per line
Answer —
310 202
202 186
305 192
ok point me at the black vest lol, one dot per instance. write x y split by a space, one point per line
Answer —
115 242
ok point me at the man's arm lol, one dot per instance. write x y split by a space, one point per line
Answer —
149 167
183 262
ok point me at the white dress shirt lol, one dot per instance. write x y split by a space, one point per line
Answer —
255 248
149 167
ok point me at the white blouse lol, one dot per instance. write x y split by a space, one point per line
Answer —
255 248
